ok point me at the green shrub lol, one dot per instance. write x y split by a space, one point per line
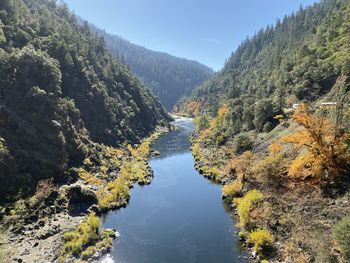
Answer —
341 235
242 143
88 253
85 234
201 122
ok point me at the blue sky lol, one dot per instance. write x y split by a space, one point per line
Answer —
204 30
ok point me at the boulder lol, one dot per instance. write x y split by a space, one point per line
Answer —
78 195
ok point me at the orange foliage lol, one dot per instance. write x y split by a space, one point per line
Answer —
275 148
326 153
194 107
205 133
240 165
223 110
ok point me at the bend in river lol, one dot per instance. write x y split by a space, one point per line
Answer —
180 217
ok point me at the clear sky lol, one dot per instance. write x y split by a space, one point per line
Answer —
204 30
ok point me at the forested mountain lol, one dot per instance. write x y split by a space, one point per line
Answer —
299 58
273 126
61 92
168 77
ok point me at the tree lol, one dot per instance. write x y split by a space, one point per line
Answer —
201 122
326 156
2 35
263 111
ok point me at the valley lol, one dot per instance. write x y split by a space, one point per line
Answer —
112 152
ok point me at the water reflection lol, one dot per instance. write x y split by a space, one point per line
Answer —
180 217
177 141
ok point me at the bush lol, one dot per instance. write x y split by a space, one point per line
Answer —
242 143
85 234
215 173
118 192
268 126
245 205
88 177
43 190
341 235
232 190
201 122
220 140
88 253
270 168
240 166
196 149
260 238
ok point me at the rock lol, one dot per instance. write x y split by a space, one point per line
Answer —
77 194
32 218
56 124
94 208
53 195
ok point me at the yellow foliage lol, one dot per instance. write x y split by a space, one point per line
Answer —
215 172
223 110
193 107
205 133
326 151
118 190
213 124
280 118
245 204
196 149
240 165
87 162
103 168
231 190
88 177
306 165
275 148
85 233
260 238
270 167
140 152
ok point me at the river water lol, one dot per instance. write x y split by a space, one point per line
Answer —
180 217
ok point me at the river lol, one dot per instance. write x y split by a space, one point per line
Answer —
180 217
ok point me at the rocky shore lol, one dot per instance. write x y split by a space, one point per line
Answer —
300 215
33 229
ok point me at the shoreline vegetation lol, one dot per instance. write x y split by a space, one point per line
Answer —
69 226
287 187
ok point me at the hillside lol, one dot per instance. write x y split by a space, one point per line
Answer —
273 128
296 59
170 78
61 94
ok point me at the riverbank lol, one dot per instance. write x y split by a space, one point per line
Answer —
180 217
281 219
48 226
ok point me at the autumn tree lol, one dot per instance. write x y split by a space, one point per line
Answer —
324 153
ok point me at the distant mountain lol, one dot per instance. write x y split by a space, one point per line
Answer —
170 78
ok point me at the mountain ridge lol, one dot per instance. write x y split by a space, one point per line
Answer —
168 77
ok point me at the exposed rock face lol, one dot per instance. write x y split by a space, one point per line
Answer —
77 195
